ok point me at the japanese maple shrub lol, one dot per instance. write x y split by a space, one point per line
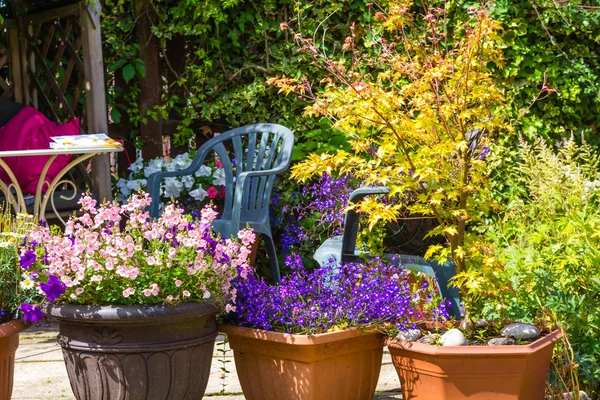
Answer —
419 110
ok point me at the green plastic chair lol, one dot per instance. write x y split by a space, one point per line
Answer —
343 249
251 155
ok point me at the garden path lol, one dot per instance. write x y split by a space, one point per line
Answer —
40 372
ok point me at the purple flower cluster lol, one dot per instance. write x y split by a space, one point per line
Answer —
311 214
376 293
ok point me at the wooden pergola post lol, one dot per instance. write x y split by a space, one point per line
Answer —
150 84
95 90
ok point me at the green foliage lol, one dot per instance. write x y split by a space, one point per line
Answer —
547 238
16 286
228 50
10 276
552 43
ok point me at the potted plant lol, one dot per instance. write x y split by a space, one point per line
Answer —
17 293
420 108
317 335
136 298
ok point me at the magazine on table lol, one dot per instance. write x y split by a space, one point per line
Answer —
89 140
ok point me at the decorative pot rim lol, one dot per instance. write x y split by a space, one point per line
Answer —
11 327
508 350
295 339
134 313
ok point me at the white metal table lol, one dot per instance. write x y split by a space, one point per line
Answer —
14 194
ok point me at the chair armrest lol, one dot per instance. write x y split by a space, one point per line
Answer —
352 218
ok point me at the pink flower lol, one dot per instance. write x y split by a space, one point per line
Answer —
247 236
218 163
147 292
212 192
128 292
186 293
178 282
223 191
79 290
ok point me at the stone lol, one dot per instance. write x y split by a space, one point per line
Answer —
410 335
454 337
521 331
481 323
432 339
466 325
501 341
570 396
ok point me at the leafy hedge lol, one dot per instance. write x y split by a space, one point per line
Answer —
233 46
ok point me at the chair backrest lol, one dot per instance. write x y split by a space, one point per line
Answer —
251 155
260 149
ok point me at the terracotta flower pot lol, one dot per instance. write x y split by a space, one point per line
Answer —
473 372
9 341
340 365
137 352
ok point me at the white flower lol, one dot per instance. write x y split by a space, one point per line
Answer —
137 165
122 186
219 177
136 185
170 167
206 295
27 283
188 181
182 161
198 194
204 171
155 165
172 187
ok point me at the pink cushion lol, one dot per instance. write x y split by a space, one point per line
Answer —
31 130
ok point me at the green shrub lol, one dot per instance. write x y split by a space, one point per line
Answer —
548 239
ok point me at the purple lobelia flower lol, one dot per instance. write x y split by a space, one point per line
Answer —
374 293
27 259
54 288
31 313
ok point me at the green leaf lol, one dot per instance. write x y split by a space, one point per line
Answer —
128 72
116 65
140 67
115 115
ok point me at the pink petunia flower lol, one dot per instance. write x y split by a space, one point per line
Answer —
212 192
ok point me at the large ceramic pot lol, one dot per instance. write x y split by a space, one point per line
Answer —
340 365
473 372
9 341
137 352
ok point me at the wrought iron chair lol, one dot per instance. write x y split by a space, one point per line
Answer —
251 155
343 249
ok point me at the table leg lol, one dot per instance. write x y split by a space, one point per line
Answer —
49 195
18 203
38 191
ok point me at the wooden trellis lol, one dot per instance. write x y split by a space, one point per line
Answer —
52 60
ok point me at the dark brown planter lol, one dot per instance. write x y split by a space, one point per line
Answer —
341 365
473 372
137 352
9 341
